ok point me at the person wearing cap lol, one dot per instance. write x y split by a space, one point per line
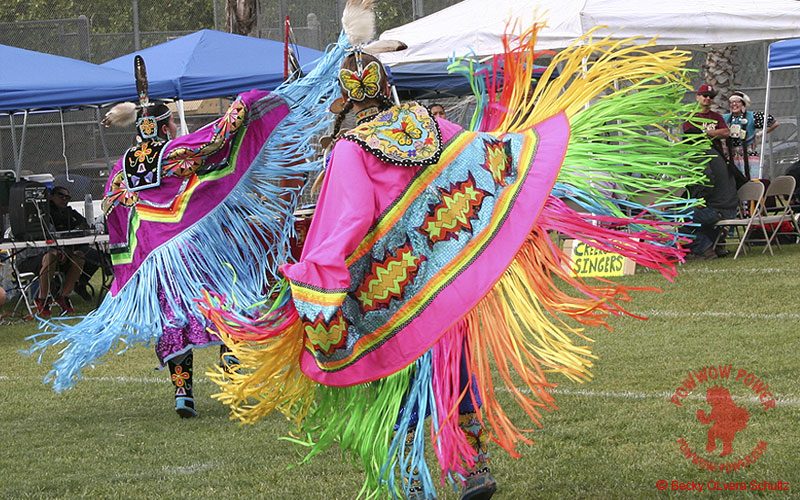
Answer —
743 125
716 129
720 193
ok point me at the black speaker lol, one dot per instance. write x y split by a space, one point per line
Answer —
29 210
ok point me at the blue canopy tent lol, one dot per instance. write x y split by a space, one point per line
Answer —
782 55
33 81
211 63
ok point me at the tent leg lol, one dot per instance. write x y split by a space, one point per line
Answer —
17 166
182 116
102 139
764 134
22 138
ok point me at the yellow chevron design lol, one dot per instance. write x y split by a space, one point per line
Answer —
388 280
453 212
497 161
322 337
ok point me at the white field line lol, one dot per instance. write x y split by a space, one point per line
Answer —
782 400
188 469
724 315
738 270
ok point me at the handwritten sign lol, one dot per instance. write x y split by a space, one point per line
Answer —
588 261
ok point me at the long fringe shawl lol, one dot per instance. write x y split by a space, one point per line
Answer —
623 102
230 261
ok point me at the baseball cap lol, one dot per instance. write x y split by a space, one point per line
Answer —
706 89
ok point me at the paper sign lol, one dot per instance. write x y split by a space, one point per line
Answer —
588 261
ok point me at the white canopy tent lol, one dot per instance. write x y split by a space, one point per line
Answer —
477 26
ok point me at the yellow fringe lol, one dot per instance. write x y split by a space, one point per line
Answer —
267 378
519 325
588 69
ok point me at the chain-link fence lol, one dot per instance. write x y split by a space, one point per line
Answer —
100 30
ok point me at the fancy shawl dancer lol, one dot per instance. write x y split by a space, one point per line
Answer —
429 276
194 212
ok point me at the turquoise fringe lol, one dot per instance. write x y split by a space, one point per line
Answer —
204 256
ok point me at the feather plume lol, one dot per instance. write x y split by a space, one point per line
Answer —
121 115
358 21
380 46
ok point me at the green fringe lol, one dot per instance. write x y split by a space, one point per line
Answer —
361 419
629 143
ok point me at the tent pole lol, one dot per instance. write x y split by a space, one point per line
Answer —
102 138
764 132
182 116
22 137
14 143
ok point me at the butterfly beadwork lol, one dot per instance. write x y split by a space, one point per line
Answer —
363 86
404 135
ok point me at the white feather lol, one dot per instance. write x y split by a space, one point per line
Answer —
358 21
380 46
121 115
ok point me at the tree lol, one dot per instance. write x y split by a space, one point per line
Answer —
241 16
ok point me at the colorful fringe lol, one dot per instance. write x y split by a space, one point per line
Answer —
533 321
224 249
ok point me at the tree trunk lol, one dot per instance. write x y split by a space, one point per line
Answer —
719 71
241 16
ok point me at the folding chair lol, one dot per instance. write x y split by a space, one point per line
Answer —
781 190
751 206
23 283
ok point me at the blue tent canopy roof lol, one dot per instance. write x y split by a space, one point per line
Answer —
34 80
784 54
211 63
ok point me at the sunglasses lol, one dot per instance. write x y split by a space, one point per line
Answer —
706 95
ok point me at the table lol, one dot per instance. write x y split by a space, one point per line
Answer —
94 239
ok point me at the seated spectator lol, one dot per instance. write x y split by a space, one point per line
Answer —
69 260
93 260
743 125
438 111
720 193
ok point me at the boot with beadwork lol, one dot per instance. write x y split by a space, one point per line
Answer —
180 369
478 483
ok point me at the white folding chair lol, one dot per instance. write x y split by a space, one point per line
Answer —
751 205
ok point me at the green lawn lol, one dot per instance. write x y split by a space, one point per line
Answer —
115 434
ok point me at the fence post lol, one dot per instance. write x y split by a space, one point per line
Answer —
137 36
417 9
315 28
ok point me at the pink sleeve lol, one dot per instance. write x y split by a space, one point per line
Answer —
345 211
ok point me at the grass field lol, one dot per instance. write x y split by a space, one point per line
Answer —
116 435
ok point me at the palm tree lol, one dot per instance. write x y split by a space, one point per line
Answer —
241 16
719 71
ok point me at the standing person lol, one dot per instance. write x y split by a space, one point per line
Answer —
189 213
437 111
428 277
719 192
743 125
712 126
182 331
178 337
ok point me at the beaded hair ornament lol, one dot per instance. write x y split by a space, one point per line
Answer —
147 124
